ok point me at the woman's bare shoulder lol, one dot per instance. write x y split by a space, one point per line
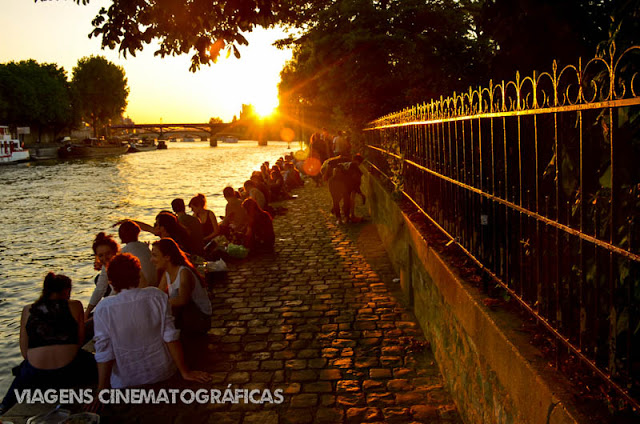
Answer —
75 304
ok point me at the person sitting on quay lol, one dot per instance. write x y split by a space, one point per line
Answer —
192 224
264 170
292 179
128 233
190 304
259 235
235 219
167 225
51 337
104 248
261 184
277 190
251 191
136 340
198 205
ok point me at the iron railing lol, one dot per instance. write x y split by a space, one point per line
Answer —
538 180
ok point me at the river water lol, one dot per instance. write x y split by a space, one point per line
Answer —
51 211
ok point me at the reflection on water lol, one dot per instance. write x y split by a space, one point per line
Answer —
51 212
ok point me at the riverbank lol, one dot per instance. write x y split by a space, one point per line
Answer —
320 319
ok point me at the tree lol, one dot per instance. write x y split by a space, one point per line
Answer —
215 120
364 58
530 34
35 95
203 27
100 90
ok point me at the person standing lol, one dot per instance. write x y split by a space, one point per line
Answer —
325 145
344 182
341 145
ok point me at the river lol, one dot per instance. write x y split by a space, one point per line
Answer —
51 211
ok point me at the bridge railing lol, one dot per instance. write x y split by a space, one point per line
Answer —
538 180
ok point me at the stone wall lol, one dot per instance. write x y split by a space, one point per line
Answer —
492 372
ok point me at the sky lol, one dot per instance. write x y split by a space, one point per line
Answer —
161 90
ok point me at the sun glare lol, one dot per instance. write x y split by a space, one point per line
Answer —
265 106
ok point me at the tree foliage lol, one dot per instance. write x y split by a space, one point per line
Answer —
203 27
100 90
35 95
359 59
362 58
530 34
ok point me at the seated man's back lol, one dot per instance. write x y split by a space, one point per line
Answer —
132 330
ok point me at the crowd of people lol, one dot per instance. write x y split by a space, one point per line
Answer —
148 299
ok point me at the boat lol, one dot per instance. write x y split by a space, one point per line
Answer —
142 146
228 139
46 152
188 139
11 150
162 145
213 142
92 148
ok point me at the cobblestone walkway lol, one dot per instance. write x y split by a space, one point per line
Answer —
320 319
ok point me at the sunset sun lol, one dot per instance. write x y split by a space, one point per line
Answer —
265 108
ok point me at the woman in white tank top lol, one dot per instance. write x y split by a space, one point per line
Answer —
188 297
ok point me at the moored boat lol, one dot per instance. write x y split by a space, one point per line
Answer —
11 150
228 138
46 152
142 146
92 148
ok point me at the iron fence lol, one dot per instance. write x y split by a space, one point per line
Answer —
538 180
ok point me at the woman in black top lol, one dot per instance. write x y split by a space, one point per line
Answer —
51 337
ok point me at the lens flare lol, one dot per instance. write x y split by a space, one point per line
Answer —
287 134
301 154
312 166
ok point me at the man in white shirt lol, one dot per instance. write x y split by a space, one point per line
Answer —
135 338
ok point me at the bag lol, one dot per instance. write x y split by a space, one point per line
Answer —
237 251
217 266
